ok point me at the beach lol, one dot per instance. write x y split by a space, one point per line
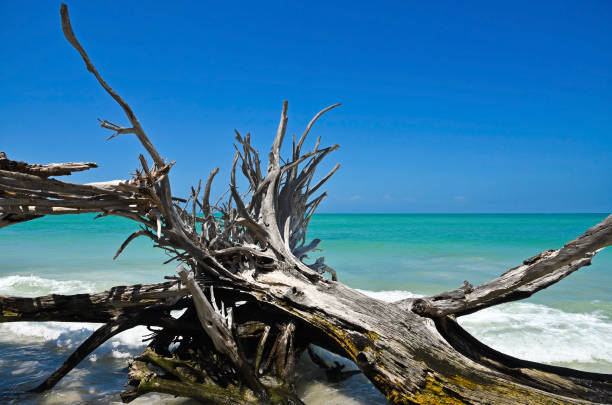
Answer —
386 256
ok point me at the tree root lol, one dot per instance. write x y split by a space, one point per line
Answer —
100 336
195 369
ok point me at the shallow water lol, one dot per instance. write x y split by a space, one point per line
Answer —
390 257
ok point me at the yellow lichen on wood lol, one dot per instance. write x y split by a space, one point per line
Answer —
372 335
340 336
433 393
436 392
10 314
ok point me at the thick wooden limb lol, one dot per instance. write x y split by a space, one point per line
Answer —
14 218
25 196
301 251
542 376
411 361
7 203
52 169
37 212
96 307
520 282
23 183
100 336
181 369
145 381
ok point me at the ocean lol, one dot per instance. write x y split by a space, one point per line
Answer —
389 257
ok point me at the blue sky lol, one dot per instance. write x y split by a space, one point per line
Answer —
447 106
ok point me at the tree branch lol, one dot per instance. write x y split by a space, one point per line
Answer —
98 307
100 336
520 282
52 169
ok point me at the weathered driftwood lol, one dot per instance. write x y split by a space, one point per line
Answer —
97 307
253 304
52 169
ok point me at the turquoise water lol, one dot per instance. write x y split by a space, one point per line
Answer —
388 256
428 254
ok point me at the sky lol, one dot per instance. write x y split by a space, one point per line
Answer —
447 107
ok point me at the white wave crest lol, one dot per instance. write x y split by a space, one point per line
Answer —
63 335
390 295
33 286
534 332
540 333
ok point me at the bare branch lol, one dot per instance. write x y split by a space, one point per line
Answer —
52 169
114 127
100 336
278 140
131 238
520 282
138 131
323 180
206 196
310 124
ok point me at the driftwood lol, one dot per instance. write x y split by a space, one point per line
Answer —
252 302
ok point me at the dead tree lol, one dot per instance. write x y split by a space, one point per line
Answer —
252 302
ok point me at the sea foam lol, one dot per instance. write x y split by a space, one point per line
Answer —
389 295
62 335
540 333
535 332
35 286
67 336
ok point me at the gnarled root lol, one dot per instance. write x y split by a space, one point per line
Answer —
185 362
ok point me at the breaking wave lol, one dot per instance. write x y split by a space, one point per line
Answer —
34 286
536 332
